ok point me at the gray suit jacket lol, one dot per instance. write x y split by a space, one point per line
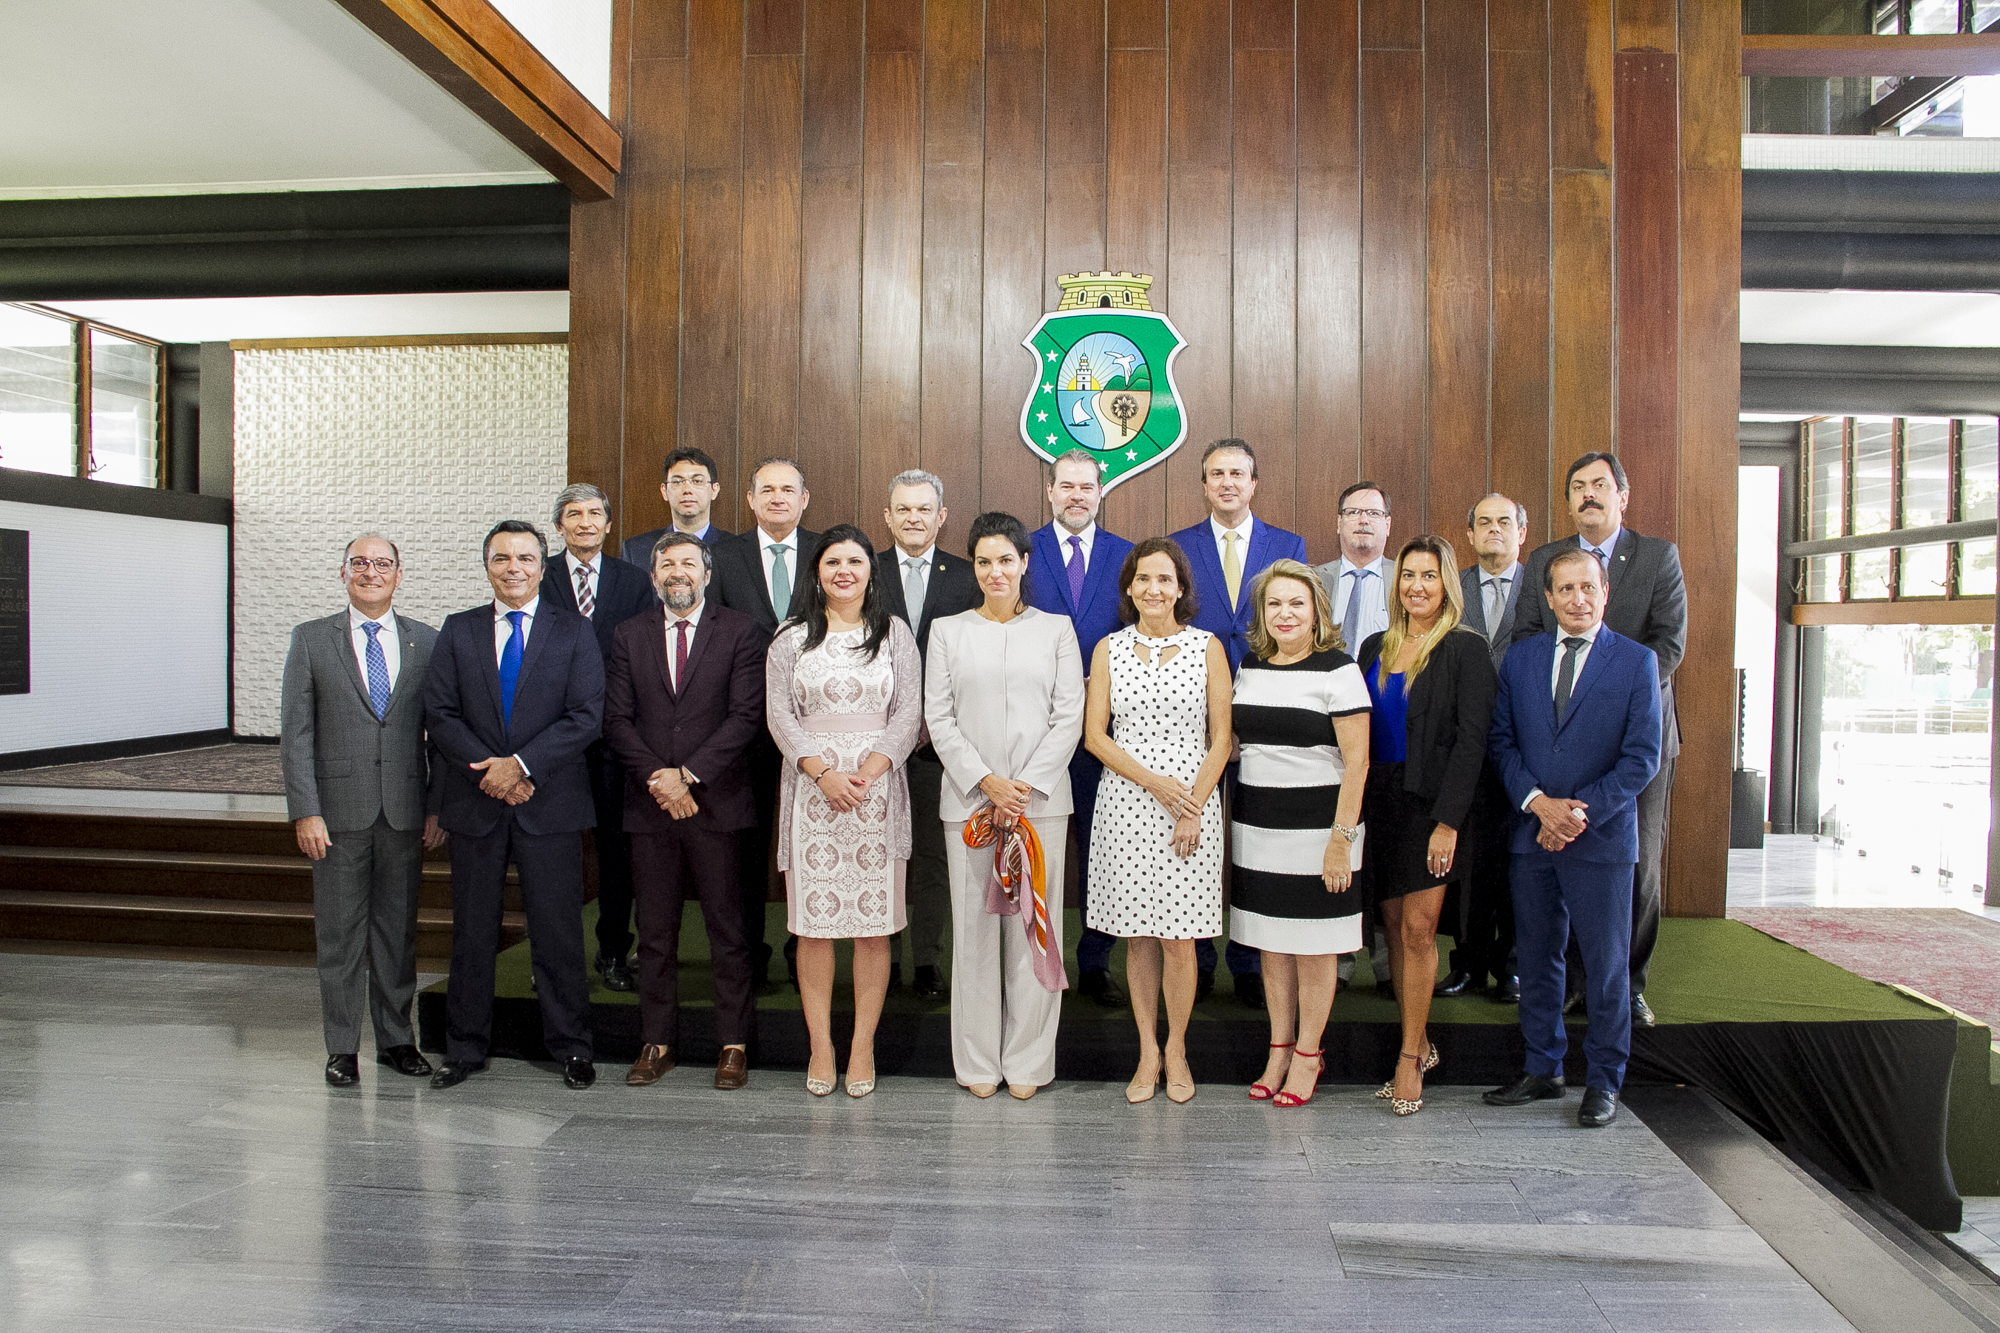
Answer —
339 762
1502 638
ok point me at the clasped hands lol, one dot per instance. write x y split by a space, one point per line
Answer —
1010 799
846 791
670 793
1179 802
1563 820
505 780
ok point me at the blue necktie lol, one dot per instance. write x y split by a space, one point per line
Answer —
510 666
378 671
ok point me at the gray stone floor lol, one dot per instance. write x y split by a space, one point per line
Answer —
170 1159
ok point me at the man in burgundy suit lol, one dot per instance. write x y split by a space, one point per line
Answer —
683 699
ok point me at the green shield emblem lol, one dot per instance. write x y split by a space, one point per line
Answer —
1104 377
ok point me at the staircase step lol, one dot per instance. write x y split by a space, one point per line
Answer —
113 829
234 876
191 922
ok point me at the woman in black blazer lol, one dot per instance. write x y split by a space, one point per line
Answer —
1432 684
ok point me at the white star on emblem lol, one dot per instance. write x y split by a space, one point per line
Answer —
1041 416
1052 439
1132 455
1048 388
1104 467
1052 356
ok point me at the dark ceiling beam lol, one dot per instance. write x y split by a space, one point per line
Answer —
305 243
1890 381
474 54
1846 55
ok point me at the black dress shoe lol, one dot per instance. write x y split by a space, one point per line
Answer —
1600 1108
1098 984
1574 1004
454 1072
929 985
404 1060
617 972
1525 1089
578 1072
1455 984
342 1071
1507 991
1642 1013
1204 986
1250 990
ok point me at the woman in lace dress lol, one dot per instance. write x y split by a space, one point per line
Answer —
844 696
1157 715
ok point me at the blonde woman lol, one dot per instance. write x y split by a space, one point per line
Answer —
1301 717
1432 684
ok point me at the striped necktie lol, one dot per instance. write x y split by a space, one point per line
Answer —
585 603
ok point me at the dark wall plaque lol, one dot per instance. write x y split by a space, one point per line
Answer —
13 611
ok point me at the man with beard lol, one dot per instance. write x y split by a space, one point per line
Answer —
1648 604
684 697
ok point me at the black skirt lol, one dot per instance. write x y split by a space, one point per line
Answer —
1395 857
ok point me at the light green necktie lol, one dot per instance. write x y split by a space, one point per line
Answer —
781 582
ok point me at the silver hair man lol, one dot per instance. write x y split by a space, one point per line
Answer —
916 476
575 494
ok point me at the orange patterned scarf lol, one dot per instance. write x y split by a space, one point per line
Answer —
1018 863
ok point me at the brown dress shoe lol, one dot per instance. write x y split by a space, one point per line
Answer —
653 1061
732 1069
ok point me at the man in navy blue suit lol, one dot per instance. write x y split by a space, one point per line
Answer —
1227 551
1575 738
607 592
1073 571
689 485
513 698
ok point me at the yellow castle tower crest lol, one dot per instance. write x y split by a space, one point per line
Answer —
1099 291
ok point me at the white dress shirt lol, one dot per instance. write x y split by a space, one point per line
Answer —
1374 615
1489 611
392 647
790 541
693 619
503 630
1589 638
1088 537
1242 531
1606 554
594 567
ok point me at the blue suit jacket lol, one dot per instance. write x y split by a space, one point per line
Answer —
558 709
1231 624
1604 753
1048 584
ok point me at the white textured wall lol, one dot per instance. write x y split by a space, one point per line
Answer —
128 628
428 445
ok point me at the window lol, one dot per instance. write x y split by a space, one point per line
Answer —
51 366
37 392
1874 476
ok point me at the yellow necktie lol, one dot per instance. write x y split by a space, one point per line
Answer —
1232 568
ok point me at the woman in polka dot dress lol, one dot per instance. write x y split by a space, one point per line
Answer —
1158 717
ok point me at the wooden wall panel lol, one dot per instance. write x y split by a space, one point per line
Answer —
953 245
1329 268
1199 146
1447 244
1649 228
1136 210
1394 297
830 263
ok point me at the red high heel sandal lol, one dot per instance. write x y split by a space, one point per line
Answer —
1260 1093
1283 1098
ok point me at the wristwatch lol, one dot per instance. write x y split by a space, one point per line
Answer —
1346 832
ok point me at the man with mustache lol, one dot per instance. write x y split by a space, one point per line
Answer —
683 700
1648 604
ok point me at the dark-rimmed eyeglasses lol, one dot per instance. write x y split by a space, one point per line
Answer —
362 564
1364 513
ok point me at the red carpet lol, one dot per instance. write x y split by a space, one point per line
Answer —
1949 955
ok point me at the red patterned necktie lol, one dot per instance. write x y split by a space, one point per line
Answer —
680 654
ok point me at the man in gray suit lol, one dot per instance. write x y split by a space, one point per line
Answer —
357 788
1494 529
1647 604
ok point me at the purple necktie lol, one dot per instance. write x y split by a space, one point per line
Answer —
1075 569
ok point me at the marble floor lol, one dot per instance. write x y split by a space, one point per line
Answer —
169 1158
1800 870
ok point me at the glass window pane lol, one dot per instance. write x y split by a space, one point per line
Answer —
1926 472
1975 569
1979 468
124 413
37 392
1924 569
1874 491
1985 13
1868 576
1825 481
1823 578
1934 16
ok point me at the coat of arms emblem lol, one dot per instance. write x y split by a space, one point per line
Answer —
1104 377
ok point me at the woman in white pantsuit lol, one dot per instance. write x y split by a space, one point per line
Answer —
1003 697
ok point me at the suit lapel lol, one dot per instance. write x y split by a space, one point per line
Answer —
1208 569
1472 588
489 661
1099 574
412 666
1049 546
697 653
1622 552
1593 668
343 642
539 631
656 648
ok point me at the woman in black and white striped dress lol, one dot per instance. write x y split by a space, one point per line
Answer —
1301 716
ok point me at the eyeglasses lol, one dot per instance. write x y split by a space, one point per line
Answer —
1364 513
361 565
